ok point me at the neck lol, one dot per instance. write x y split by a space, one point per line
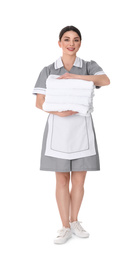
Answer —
68 59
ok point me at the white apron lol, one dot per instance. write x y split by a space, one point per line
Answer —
70 137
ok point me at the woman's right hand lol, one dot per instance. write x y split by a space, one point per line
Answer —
66 113
63 113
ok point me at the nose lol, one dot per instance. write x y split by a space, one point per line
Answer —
71 43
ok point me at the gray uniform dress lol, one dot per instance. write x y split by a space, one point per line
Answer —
49 163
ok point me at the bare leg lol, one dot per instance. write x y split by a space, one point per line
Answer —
77 193
63 196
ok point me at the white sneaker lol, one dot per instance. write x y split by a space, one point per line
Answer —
64 235
78 230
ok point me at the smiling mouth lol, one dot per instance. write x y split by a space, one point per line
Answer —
71 49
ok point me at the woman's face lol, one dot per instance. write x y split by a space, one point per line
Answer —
70 43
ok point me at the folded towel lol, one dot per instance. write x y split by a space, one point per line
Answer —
69 94
66 99
53 82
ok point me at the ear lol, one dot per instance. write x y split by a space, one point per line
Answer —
59 43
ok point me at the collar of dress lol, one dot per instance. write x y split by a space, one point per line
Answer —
58 63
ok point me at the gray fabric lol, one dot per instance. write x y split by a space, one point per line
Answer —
41 81
93 67
49 163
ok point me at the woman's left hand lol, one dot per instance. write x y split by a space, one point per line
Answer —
68 76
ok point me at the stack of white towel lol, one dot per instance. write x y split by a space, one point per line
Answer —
69 94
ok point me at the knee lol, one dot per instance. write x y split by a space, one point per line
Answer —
62 179
78 179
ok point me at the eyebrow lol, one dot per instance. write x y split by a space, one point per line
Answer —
69 37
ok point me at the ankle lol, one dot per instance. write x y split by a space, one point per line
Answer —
72 220
66 225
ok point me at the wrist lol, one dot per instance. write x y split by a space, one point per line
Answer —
79 76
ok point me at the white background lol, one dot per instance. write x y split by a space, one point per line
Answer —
29 216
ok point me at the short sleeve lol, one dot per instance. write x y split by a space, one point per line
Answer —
40 86
94 69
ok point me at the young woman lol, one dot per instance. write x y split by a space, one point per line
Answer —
68 128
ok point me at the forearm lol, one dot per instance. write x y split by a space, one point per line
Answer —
51 112
99 80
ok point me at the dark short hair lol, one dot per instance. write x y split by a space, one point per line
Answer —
69 28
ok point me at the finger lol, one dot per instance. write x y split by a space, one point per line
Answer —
61 77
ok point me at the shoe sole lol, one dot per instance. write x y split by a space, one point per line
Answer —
80 236
62 242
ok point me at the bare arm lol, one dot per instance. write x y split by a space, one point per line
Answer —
99 80
40 100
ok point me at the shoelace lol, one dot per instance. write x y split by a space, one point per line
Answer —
62 232
78 225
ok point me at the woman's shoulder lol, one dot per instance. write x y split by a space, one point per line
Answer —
89 61
93 67
48 67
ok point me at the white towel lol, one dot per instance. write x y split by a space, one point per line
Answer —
69 94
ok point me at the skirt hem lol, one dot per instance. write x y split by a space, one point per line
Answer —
43 169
